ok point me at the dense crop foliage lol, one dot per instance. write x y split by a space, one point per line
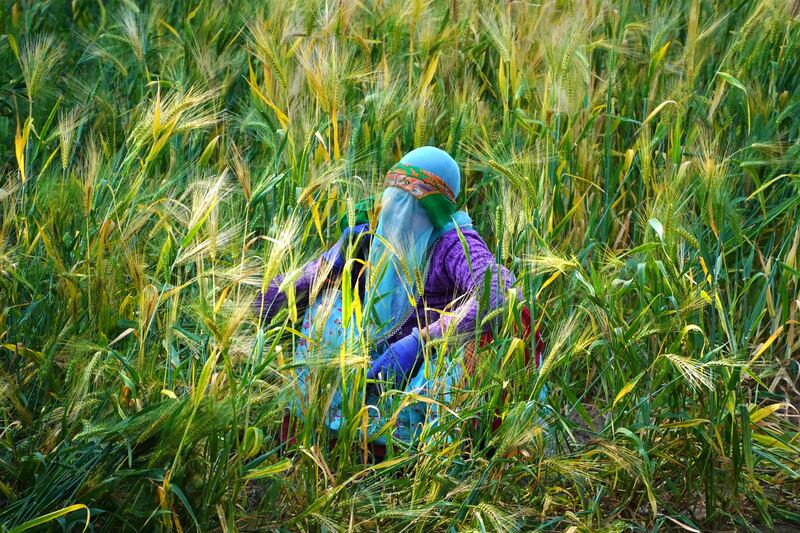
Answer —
635 163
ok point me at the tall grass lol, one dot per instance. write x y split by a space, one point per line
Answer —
635 164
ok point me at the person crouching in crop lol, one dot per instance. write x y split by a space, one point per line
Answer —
424 270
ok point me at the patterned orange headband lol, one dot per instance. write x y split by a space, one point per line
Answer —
417 181
429 189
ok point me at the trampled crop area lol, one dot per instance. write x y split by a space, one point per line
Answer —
633 163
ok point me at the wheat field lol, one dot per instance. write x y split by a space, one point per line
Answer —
635 163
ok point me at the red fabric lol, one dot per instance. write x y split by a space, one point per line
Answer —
526 332
287 430
525 317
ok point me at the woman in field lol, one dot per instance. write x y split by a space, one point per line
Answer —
417 276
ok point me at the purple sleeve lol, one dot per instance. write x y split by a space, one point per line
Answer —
453 268
269 302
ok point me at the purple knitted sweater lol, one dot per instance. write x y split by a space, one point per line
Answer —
449 286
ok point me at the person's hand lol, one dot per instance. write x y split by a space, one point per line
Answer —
399 359
336 255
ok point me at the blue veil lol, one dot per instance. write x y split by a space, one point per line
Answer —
402 242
